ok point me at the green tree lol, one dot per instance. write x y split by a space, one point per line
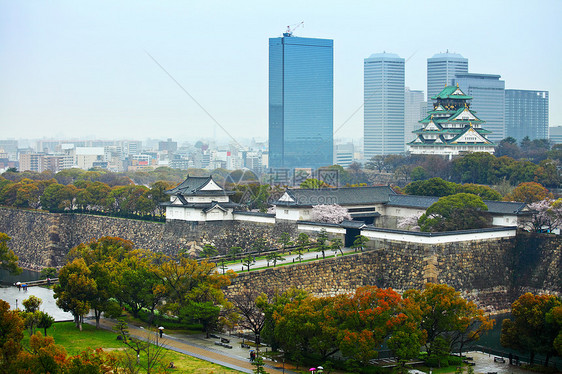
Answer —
418 173
485 192
248 261
48 273
336 245
431 187
473 168
314 184
234 251
8 259
74 289
101 257
259 245
274 257
321 242
444 312
554 318
158 194
193 291
285 240
136 283
461 211
52 198
529 329
45 321
209 250
508 147
32 304
359 242
303 241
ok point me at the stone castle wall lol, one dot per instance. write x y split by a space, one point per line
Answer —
483 271
43 239
493 272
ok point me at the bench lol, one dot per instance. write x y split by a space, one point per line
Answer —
223 345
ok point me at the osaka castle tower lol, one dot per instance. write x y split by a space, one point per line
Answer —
451 128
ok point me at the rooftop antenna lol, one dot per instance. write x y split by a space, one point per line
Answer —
292 28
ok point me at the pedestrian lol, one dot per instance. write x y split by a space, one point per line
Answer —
252 356
48 281
18 285
161 331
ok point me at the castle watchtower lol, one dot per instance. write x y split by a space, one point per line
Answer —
199 199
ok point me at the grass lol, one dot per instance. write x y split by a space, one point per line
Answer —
75 341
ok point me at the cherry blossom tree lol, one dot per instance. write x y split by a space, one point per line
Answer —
332 213
547 216
410 222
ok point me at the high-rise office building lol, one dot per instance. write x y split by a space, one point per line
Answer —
384 105
301 102
488 93
526 114
441 70
555 134
11 148
415 109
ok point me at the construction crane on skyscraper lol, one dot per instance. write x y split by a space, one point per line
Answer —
292 28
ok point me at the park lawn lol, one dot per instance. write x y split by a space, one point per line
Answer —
76 341
443 370
188 364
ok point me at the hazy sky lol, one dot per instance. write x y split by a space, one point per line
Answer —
81 68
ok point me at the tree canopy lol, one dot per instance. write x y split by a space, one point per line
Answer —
461 211
535 325
8 259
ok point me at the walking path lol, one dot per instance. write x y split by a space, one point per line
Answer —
187 346
289 259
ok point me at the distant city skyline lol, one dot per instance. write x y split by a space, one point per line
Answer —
81 69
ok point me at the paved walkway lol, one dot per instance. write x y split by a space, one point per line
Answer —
289 259
186 346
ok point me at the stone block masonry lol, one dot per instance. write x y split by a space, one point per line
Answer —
492 271
43 239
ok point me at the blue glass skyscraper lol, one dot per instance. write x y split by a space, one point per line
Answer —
526 114
301 102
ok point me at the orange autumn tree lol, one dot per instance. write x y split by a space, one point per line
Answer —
367 318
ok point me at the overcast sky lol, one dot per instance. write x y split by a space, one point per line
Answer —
81 68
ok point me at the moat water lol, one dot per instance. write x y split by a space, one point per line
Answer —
14 297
